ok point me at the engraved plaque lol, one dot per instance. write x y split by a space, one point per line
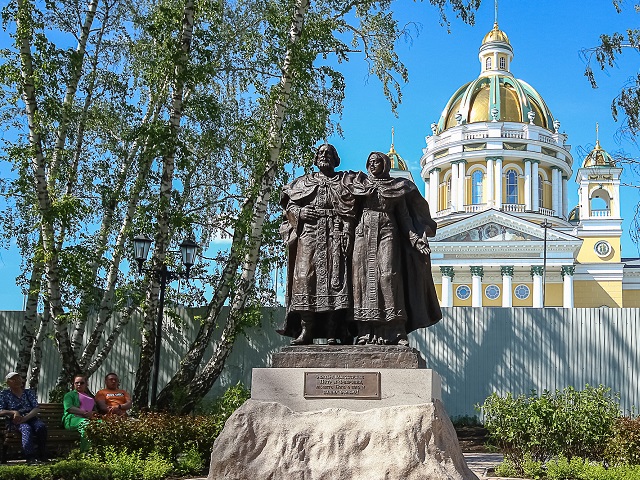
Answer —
364 385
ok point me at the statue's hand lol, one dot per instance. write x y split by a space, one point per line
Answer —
346 241
308 214
423 246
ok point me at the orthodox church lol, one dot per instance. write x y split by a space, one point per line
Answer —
497 171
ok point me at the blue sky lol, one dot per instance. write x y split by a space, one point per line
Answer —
546 36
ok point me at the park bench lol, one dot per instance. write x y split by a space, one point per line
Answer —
59 442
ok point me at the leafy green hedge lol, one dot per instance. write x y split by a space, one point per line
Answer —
569 422
172 436
624 447
562 468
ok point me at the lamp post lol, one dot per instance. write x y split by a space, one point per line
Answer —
546 224
188 251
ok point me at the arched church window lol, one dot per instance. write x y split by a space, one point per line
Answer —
488 63
503 63
512 187
540 192
599 207
476 187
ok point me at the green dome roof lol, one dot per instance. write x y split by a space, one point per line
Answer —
598 157
397 162
499 97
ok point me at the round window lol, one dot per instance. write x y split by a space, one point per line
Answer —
522 292
492 292
602 248
463 292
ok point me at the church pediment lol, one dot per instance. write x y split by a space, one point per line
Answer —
495 227
490 232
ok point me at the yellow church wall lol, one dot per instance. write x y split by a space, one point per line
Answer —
527 302
631 298
458 302
593 294
438 290
487 302
520 190
546 195
553 295
587 253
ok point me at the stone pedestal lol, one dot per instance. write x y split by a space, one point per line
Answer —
285 433
347 356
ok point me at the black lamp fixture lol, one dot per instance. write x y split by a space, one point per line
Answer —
188 252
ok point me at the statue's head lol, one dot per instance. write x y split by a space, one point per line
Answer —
328 151
379 164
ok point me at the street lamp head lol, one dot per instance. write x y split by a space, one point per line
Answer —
188 249
141 246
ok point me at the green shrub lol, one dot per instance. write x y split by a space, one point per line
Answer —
86 469
506 469
24 472
466 421
562 468
189 462
124 465
568 422
169 435
624 447
155 467
229 402
166 434
533 468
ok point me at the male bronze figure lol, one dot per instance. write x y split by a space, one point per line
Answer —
318 228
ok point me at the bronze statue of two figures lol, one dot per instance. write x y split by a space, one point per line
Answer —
359 260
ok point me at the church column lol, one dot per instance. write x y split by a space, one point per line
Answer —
476 286
585 207
462 181
535 199
507 284
447 286
565 201
498 176
427 184
527 184
434 186
454 187
536 273
555 191
567 285
490 182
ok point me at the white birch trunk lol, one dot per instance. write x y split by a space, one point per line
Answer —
203 383
72 87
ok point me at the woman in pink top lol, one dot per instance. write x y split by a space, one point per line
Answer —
79 409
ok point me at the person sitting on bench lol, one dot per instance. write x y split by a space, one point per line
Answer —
113 400
21 406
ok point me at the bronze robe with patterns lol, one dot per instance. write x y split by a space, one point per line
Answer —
318 271
392 280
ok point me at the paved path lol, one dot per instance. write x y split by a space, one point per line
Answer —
479 462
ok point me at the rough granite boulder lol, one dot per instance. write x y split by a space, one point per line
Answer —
268 441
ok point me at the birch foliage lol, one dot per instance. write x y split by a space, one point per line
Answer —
170 118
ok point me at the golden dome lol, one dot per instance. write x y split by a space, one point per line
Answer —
397 162
598 157
495 35
500 98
